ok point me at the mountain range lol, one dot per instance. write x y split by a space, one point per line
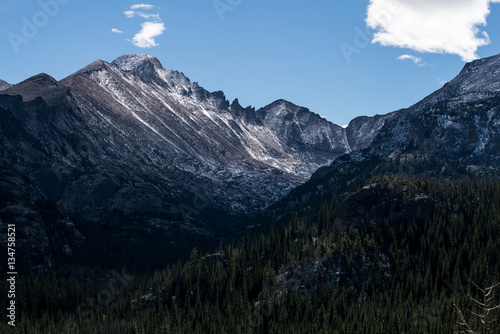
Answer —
452 133
145 152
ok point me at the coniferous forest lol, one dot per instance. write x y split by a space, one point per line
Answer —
400 255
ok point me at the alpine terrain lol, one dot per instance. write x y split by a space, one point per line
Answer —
451 133
285 222
139 147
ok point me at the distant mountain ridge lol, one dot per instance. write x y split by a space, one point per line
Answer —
4 85
453 132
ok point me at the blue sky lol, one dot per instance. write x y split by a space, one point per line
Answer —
341 59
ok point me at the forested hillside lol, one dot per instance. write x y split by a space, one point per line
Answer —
394 257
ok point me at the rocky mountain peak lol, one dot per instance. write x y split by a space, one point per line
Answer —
282 106
4 85
479 76
283 110
304 131
143 65
248 114
491 64
134 62
39 80
94 66
477 79
149 69
235 105
37 86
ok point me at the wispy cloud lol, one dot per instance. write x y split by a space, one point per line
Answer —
129 13
154 17
152 28
116 31
142 6
145 38
414 59
436 26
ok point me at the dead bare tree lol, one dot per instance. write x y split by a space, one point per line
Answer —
482 311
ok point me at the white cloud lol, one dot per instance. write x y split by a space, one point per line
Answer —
154 17
151 29
145 38
142 6
116 31
414 59
129 13
436 26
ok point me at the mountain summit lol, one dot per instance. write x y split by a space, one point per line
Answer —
132 139
133 62
143 65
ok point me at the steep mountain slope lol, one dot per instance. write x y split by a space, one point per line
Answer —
312 137
179 125
362 130
452 132
132 142
466 109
